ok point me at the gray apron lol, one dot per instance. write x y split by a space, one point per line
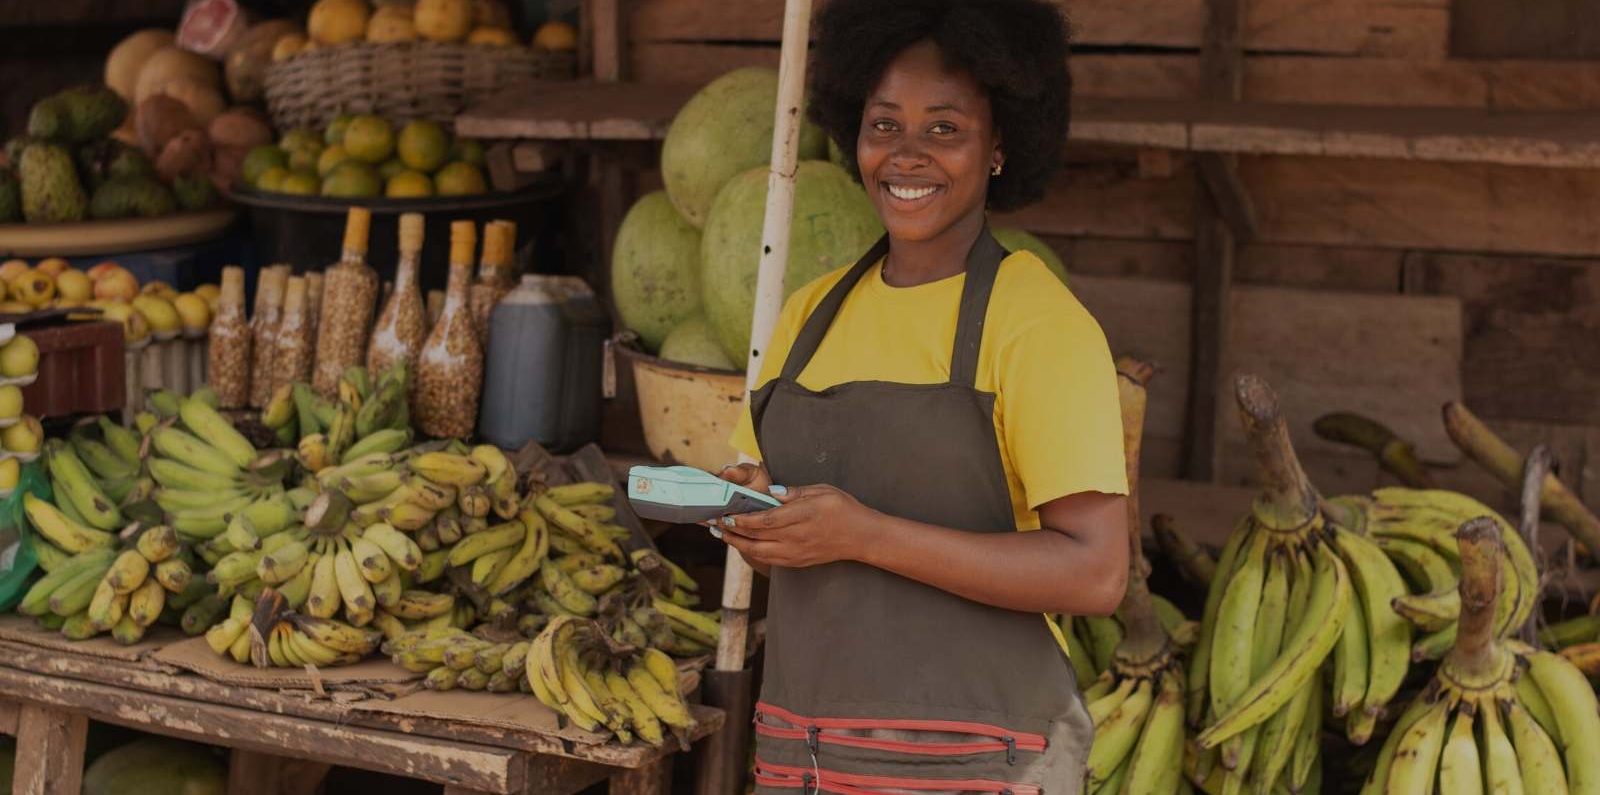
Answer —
874 682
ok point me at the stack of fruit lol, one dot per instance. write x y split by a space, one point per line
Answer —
362 156
481 22
156 308
681 274
20 434
101 590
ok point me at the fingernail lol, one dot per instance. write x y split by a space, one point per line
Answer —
727 521
716 532
778 491
729 466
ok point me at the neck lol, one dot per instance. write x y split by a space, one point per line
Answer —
914 262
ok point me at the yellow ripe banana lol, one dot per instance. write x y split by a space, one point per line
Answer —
494 461
417 605
433 565
596 580
371 559
490 659
310 651
1572 702
222 636
313 453
1378 584
582 701
1532 699
448 469
1537 758
211 426
75 483
158 543
472 679
578 560
537 679
644 722
356 592
297 589
362 489
515 659
127 632
441 679
407 516
89 566
127 572
387 591
191 451
61 531
697 626
616 712
564 591
387 440
106 607
240 650
172 474
487 567
323 599
51 557
1157 760
1460 770
667 707
146 602
386 623
337 635
477 545
399 547
1350 663
1114 739
1416 755
663 669
341 432
427 494
1500 772
474 502
578 527
580 493
528 556
600 513
503 496
282 564
1430 612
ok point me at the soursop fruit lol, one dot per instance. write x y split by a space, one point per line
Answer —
195 192
50 189
10 197
77 115
125 197
108 159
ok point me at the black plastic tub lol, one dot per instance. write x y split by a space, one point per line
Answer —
308 231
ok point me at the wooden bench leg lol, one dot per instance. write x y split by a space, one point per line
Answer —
652 779
49 752
10 712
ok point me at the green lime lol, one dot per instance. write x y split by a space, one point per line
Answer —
459 179
423 146
468 150
390 167
259 159
352 180
300 183
335 132
369 139
299 137
305 156
271 179
409 185
330 159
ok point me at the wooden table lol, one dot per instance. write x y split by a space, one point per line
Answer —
283 743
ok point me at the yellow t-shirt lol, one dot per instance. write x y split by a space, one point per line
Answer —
1056 414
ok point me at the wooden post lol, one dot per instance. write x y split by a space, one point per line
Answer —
652 779
49 752
255 773
1222 78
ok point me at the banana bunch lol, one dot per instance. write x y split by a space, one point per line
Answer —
1092 641
452 658
110 455
207 473
1137 702
1498 717
125 592
268 634
366 418
1416 528
574 668
1282 598
1193 561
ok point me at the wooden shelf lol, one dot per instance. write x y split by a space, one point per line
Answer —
642 112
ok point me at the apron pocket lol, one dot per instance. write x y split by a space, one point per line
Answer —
898 736
823 780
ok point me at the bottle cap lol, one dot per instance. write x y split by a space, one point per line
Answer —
410 232
497 243
463 241
294 295
356 225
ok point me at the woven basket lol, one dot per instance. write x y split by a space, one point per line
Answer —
403 81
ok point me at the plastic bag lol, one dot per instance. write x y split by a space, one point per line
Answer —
17 559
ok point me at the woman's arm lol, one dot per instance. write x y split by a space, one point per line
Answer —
1077 564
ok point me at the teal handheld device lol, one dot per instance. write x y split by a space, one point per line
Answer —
685 495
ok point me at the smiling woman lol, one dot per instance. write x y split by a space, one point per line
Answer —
922 406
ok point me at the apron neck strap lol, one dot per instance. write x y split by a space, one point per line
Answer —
983 264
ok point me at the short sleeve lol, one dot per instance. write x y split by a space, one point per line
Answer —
1058 408
783 334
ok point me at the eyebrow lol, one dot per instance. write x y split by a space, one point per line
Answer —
883 103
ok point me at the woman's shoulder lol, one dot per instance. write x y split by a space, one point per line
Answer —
1030 296
802 301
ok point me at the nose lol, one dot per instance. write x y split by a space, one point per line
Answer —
908 156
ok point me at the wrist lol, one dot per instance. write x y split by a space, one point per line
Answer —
871 537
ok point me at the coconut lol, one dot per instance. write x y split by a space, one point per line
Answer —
170 63
159 119
129 57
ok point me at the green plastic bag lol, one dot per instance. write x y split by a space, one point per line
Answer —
17 559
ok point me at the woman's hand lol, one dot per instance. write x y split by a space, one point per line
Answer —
815 525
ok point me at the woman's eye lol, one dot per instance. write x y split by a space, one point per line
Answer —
883 126
942 129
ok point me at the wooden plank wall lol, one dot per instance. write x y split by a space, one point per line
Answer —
1519 247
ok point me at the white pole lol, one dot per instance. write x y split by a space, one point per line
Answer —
787 120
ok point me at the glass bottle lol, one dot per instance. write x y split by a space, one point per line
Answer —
402 325
349 291
494 274
450 366
228 357
264 328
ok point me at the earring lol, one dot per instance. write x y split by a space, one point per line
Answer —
999 167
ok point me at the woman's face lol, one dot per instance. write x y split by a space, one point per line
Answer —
927 145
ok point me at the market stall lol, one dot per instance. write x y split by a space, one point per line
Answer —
297 309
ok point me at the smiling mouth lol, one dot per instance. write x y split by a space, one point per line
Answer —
909 194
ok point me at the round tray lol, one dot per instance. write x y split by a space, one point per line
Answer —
89 238
545 186
6 423
26 458
20 381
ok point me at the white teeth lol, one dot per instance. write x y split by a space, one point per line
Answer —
910 194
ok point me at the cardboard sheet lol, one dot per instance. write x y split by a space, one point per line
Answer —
513 711
195 656
22 629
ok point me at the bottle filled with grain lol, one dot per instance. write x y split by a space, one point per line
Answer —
349 293
403 324
450 366
264 330
228 357
293 355
495 274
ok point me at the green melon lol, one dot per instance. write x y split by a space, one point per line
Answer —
724 130
834 224
693 343
1014 240
8 762
157 766
836 155
655 269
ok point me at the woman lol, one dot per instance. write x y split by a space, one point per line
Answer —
919 407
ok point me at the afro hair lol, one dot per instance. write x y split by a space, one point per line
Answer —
1016 49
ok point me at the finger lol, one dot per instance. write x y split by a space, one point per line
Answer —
740 474
763 524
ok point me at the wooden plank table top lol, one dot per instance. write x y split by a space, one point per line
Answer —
459 754
643 111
